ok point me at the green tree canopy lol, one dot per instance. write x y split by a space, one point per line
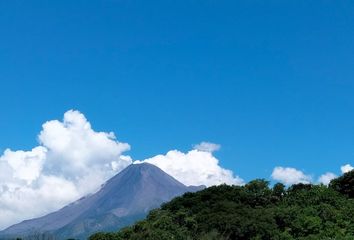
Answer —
254 211
344 184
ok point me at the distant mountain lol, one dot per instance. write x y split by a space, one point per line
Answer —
122 200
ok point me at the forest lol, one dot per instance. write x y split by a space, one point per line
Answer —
255 211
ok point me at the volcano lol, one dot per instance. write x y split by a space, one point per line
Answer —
121 201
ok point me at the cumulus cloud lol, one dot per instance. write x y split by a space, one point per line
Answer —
72 160
346 168
196 167
24 165
75 149
290 176
326 178
207 147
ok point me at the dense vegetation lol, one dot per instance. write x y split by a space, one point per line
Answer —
254 211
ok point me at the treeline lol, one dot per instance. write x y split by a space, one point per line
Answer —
254 211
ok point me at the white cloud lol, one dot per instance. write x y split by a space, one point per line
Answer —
72 160
346 168
194 168
24 165
290 176
326 178
207 147
19 202
75 149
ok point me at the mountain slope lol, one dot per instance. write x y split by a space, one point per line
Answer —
125 198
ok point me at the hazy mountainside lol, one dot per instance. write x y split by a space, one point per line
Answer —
252 212
125 198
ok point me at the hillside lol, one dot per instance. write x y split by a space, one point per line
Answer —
254 211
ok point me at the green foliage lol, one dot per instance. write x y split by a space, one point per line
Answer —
344 184
254 211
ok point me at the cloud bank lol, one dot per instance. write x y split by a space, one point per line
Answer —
290 176
73 160
346 168
195 167
326 178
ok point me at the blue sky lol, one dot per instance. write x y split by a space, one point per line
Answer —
271 81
